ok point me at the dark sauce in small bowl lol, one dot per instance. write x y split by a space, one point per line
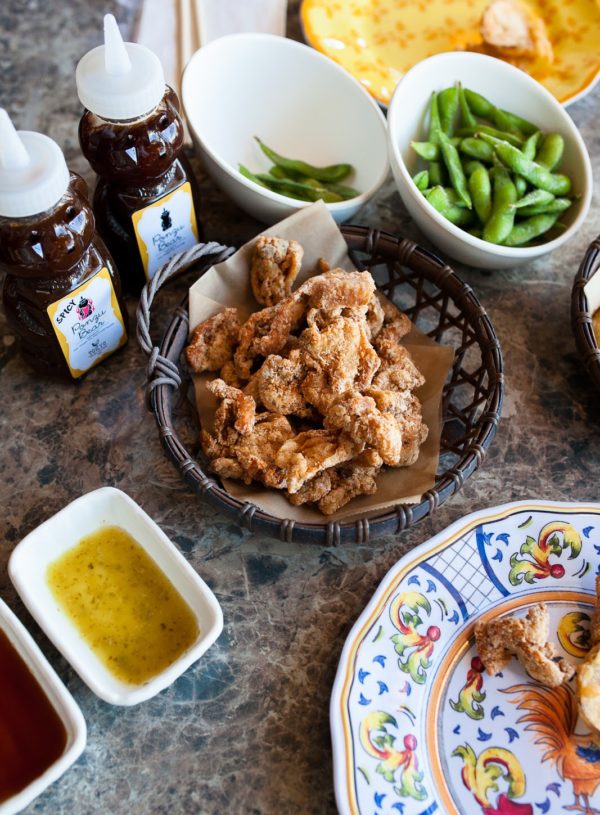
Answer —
32 734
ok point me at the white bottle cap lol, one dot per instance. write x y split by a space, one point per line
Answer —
119 80
33 172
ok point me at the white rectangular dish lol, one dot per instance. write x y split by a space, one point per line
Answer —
107 506
60 699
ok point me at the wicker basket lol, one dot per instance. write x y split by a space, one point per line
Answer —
442 305
581 317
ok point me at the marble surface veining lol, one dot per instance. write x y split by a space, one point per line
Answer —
246 730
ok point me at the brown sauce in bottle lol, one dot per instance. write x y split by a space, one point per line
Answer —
46 257
32 735
138 162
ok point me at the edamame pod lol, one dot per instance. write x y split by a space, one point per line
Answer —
531 145
551 151
421 180
475 148
491 131
504 120
470 167
502 219
467 119
257 180
434 119
454 167
429 150
530 229
333 172
480 188
448 107
558 205
437 173
480 105
459 216
534 173
520 186
438 198
534 198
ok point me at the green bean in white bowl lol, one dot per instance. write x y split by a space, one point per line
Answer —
487 162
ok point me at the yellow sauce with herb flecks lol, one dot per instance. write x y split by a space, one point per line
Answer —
123 605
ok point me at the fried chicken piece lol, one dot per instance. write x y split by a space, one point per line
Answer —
229 376
395 402
311 452
338 289
394 317
311 491
251 456
588 688
250 388
343 352
357 477
400 375
406 409
414 433
505 24
267 332
512 30
275 266
213 341
527 639
387 342
236 410
375 315
359 417
588 673
595 623
278 383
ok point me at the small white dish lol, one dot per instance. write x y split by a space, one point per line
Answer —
299 102
107 506
60 699
509 88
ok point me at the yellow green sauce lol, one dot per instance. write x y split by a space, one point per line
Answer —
123 605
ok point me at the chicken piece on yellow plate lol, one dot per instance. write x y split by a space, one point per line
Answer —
588 673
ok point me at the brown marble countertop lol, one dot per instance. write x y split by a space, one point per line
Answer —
246 729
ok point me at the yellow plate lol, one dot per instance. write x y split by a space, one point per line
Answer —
377 41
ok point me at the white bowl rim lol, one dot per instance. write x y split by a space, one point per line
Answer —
65 707
135 693
198 55
517 252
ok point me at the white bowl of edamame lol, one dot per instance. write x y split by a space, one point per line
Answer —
487 162
305 108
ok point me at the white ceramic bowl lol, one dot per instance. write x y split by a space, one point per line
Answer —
60 699
508 88
299 102
107 506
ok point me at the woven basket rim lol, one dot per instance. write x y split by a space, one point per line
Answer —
581 316
390 521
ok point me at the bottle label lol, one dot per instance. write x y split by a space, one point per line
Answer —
88 323
165 227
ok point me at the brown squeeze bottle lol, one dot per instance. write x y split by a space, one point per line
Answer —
62 292
132 134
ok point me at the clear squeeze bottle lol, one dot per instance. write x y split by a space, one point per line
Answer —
132 134
62 292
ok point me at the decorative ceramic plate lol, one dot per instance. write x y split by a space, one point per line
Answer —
418 726
377 41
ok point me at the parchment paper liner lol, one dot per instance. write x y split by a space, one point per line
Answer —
228 284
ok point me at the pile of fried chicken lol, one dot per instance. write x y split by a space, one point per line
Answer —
316 389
